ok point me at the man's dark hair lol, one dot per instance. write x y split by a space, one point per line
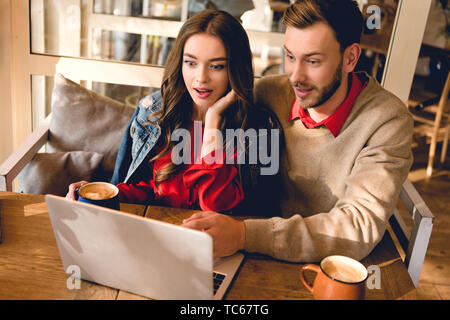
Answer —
343 16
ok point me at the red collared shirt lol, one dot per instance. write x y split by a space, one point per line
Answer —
334 122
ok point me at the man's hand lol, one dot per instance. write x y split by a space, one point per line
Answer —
228 233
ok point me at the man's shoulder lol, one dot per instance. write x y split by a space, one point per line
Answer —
274 91
376 108
377 99
279 81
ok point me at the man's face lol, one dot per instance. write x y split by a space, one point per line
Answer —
313 64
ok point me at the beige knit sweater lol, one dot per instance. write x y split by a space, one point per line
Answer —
339 192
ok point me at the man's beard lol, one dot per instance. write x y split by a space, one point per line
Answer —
327 92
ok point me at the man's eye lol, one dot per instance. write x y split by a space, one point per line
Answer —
313 62
289 56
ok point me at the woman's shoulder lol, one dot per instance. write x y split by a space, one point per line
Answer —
151 102
149 105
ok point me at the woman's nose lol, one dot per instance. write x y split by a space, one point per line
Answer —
202 74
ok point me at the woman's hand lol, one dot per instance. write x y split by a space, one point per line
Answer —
217 109
212 138
71 193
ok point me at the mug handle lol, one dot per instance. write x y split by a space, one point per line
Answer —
76 193
311 267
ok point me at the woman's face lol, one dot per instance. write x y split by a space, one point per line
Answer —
204 70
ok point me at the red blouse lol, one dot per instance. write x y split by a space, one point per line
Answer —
209 187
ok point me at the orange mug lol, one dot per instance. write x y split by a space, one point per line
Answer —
338 278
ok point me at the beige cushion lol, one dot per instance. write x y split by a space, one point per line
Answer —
53 172
86 121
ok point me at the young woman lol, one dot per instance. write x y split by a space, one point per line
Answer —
209 80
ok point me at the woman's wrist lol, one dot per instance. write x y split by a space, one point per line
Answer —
212 120
212 136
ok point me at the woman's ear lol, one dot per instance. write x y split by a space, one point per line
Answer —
351 57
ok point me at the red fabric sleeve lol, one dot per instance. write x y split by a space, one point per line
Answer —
136 193
218 184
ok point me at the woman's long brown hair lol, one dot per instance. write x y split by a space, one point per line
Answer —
176 111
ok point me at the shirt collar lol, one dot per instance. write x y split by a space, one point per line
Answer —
335 121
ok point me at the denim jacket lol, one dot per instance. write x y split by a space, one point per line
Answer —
142 134
138 140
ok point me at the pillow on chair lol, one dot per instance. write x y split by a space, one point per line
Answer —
87 121
53 172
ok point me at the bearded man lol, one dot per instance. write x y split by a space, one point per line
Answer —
347 145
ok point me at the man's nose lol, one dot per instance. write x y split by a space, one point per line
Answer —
298 73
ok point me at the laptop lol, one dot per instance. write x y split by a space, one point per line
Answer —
140 255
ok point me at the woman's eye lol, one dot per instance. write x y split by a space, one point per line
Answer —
217 66
189 63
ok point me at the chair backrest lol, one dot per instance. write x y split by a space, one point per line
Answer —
414 242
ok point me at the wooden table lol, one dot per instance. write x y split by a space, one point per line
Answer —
30 266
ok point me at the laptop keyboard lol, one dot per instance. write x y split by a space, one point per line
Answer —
218 279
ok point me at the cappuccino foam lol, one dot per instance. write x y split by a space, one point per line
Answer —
97 192
344 271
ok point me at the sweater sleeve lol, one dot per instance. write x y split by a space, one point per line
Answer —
217 183
357 222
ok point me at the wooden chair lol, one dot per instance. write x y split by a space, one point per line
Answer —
22 155
433 123
415 242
